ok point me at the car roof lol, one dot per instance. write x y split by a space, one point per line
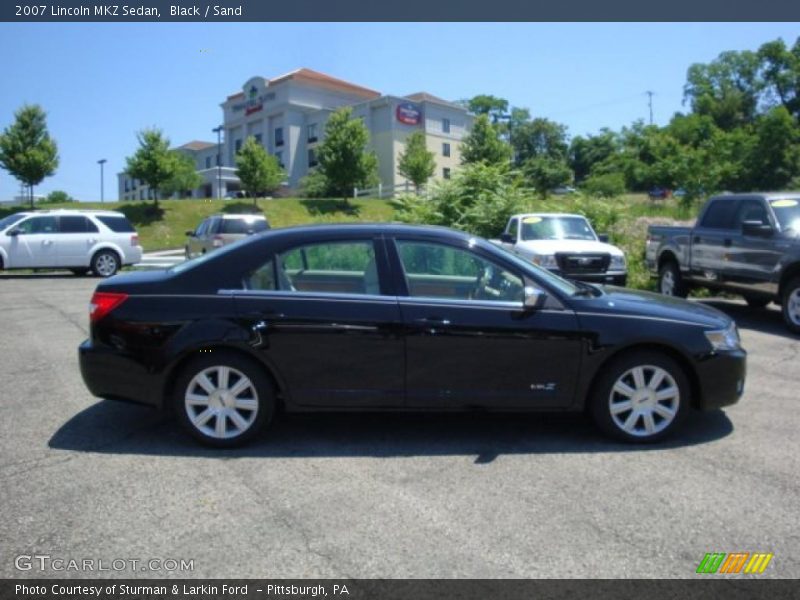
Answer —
237 216
765 195
368 229
548 214
73 211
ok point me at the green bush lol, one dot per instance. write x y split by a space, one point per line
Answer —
315 185
57 197
605 185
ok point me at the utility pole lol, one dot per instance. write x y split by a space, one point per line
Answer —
650 104
218 131
101 162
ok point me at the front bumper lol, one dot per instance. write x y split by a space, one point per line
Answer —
721 377
112 375
619 278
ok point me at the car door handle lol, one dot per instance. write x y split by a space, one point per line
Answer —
433 321
47 242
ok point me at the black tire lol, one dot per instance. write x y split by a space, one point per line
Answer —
79 272
105 263
670 281
790 301
757 301
260 393
621 370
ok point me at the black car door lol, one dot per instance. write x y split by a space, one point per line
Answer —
326 324
753 258
711 241
468 340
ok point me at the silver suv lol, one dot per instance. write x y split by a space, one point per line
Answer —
220 230
79 240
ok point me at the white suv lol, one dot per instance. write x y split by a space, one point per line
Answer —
78 240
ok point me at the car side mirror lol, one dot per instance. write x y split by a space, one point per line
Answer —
603 237
757 228
507 238
534 298
190 233
14 232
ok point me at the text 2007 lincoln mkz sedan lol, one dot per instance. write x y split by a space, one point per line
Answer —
388 317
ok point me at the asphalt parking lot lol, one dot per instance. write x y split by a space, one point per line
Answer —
383 496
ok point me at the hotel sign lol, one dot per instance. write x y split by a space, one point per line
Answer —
254 101
408 113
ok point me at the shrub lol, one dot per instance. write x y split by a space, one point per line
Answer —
57 197
605 185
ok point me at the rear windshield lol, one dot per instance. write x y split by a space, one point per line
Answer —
116 224
243 226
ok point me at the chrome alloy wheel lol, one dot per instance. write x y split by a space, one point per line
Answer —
105 265
793 309
668 283
221 402
644 400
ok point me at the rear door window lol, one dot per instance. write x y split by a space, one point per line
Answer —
76 224
720 214
39 225
243 226
116 224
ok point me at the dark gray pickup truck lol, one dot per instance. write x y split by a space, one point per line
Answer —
748 244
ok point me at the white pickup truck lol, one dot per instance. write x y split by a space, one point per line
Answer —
567 245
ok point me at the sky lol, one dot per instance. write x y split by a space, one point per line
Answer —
101 83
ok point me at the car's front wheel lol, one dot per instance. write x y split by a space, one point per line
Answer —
791 305
224 399
105 263
641 397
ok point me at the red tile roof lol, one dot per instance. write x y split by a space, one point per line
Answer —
196 145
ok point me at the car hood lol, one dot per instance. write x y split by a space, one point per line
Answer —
618 301
571 246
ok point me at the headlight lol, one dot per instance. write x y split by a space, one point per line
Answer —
724 339
617 262
548 261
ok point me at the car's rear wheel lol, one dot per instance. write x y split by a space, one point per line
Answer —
224 399
641 397
757 301
105 263
670 282
791 305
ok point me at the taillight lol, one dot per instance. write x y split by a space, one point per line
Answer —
135 240
217 241
103 303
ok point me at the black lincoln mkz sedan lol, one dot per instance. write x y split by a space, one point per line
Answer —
396 317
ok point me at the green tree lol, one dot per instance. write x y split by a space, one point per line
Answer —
606 185
26 149
492 106
775 160
260 172
780 70
546 173
153 162
416 162
58 197
483 144
586 152
184 175
343 156
539 137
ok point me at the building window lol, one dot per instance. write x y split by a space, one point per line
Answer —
279 156
208 162
446 173
312 158
279 136
446 125
312 133
258 138
445 149
238 146
127 185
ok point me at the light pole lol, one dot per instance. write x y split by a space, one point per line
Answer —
218 131
101 162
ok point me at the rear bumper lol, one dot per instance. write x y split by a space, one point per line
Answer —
721 377
112 375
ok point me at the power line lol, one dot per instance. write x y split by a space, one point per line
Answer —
650 104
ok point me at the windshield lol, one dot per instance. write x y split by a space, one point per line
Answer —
556 228
551 279
787 211
10 220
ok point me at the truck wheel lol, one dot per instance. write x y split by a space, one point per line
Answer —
791 305
757 301
640 397
670 282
